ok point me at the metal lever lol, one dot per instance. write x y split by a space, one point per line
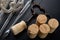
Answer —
27 5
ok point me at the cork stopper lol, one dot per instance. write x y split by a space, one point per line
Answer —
44 29
53 23
33 30
19 27
41 19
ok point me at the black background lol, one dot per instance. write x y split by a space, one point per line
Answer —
52 8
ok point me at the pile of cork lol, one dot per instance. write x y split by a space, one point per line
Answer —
42 28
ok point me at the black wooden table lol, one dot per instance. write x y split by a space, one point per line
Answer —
52 8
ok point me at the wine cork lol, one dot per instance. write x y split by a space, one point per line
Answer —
53 23
19 27
43 30
33 31
41 19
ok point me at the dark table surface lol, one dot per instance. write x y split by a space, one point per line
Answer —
52 8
